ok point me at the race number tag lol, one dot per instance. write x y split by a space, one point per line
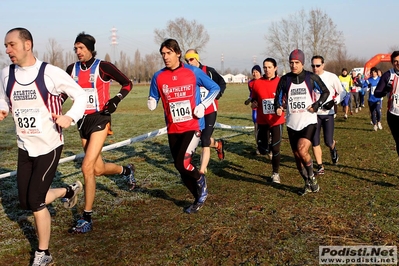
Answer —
180 111
92 100
297 104
29 121
268 106
204 92
395 100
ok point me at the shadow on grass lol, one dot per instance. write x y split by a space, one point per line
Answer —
11 207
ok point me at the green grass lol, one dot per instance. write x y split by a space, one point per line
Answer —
245 221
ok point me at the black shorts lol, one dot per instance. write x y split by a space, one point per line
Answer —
34 177
93 123
306 133
207 132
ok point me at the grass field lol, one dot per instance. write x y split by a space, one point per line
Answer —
245 221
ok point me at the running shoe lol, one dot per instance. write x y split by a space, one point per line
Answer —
275 178
305 190
320 170
379 125
375 127
70 202
314 186
334 155
220 149
131 181
193 208
202 189
82 226
41 259
345 116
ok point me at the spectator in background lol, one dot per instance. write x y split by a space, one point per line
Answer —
299 88
325 115
346 82
256 74
389 85
373 101
207 142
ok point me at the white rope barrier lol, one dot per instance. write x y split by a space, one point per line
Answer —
148 135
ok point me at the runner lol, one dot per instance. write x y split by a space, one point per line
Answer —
269 124
178 85
298 87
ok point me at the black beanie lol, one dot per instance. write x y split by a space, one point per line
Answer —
83 38
257 68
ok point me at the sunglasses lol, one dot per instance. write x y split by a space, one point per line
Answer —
313 66
189 60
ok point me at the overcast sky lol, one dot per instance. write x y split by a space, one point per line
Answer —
237 29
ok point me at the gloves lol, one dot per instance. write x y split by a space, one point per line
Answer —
151 103
247 101
315 106
199 110
111 105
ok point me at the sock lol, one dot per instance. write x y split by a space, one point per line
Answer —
46 251
87 215
69 192
309 168
126 170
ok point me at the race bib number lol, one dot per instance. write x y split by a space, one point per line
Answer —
92 101
297 104
204 92
180 111
373 89
268 106
395 100
28 121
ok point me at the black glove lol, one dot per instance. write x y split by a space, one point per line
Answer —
111 105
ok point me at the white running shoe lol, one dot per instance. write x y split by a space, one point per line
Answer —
41 259
77 188
379 125
276 178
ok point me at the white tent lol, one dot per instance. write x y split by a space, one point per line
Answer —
239 78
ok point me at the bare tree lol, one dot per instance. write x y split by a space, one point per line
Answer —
189 34
107 57
70 58
313 32
55 54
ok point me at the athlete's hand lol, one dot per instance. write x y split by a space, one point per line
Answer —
3 114
151 103
111 105
254 104
279 111
63 121
199 110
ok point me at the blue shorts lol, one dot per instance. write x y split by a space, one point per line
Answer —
345 101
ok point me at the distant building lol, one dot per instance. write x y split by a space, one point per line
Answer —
239 78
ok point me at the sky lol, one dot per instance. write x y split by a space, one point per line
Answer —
237 29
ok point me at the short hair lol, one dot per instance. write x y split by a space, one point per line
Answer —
374 69
24 34
344 69
393 55
318 57
171 44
